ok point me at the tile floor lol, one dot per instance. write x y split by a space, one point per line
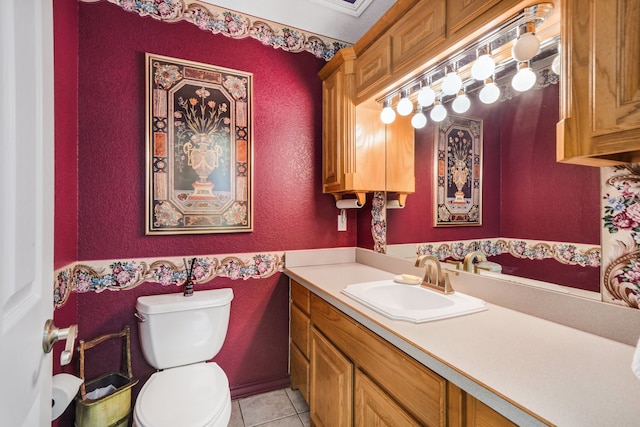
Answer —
280 408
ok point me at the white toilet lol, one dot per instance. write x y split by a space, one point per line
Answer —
178 335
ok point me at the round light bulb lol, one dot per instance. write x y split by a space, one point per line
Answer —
556 65
387 115
461 104
451 83
489 93
483 67
426 96
524 79
405 106
525 47
438 113
419 120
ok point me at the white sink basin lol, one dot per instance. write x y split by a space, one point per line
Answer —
412 302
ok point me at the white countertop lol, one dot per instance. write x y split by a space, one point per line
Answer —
515 363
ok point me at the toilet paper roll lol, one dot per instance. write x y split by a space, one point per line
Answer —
348 204
64 389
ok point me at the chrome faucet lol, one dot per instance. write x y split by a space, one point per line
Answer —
436 280
471 258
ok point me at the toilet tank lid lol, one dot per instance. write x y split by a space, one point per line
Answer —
166 303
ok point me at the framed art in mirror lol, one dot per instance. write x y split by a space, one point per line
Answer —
199 150
458 156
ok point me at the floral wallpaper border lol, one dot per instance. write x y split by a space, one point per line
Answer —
379 222
621 235
232 24
116 275
566 253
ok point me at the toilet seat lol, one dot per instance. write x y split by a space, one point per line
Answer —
188 396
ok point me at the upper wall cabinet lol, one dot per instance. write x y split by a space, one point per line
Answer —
350 165
600 105
401 48
359 153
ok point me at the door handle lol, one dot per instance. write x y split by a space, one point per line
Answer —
53 334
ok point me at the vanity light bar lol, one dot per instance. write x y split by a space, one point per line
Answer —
508 32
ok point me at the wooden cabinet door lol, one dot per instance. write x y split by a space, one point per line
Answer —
600 98
332 143
331 384
373 407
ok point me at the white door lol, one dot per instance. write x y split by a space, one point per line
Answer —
26 210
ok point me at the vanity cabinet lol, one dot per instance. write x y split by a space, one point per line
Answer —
600 91
352 377
390 382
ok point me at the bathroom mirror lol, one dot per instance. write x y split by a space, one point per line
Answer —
526 194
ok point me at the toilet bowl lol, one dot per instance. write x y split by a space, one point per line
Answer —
178 335
194 395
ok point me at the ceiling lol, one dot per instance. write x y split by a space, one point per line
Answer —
344 20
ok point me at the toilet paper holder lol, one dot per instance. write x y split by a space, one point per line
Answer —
53 334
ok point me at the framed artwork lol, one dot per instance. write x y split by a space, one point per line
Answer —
458 169
199 151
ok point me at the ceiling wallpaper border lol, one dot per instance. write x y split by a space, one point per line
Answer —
232 24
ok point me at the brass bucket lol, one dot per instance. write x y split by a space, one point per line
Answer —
114 408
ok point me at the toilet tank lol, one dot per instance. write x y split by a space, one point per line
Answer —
176 330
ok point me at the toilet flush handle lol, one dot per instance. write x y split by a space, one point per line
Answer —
53 334
140 317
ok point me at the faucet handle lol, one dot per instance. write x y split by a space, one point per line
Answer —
446 283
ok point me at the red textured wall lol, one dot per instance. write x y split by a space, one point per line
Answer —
66 131
290 212
66 178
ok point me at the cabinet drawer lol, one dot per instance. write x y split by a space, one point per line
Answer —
300 327
299 367
421 391
300 297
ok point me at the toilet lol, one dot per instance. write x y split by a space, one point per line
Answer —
178 335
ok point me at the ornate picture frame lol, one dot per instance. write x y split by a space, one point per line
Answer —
199 148
458 172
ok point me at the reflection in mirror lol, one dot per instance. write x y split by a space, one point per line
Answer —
526 194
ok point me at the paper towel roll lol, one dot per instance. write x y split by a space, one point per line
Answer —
347 204
64 389
394 204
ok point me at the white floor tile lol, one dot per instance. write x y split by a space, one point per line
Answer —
298 401
263 408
